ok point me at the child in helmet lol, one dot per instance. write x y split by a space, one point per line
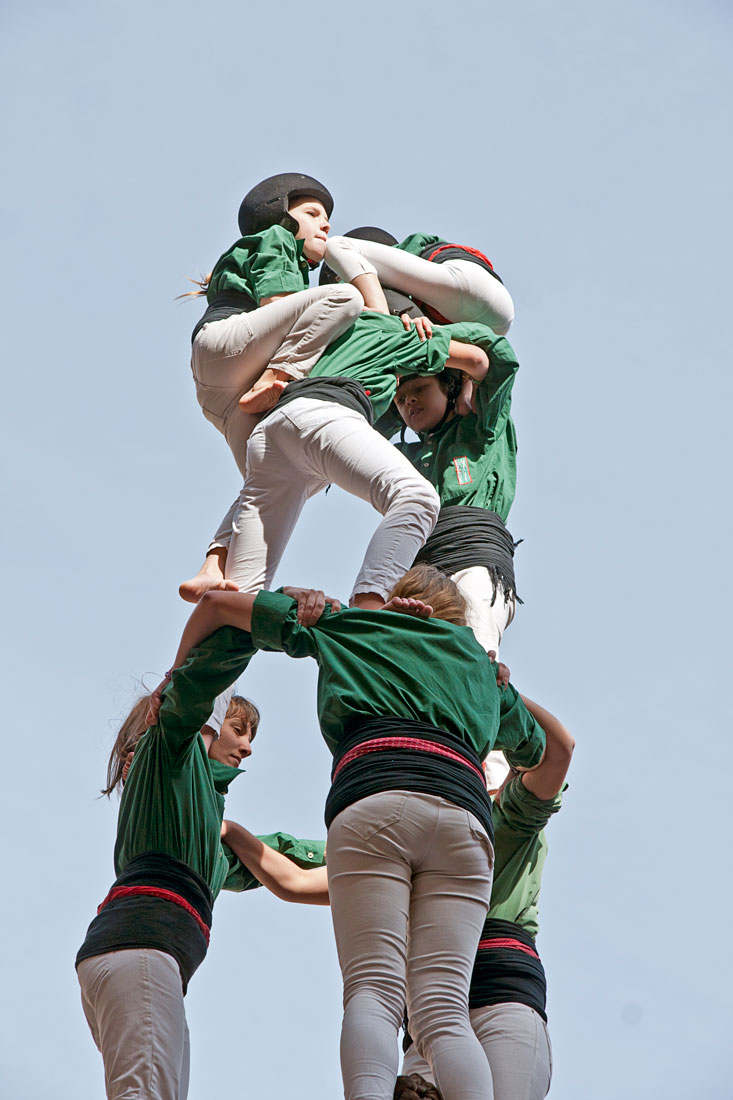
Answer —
263 326
452 282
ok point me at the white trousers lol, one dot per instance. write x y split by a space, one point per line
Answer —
290 335
300 449
516 1042
409 876
133 1002
459 289
488 620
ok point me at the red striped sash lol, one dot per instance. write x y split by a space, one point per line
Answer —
156 892
515 945
382 744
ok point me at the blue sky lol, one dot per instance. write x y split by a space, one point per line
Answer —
585 149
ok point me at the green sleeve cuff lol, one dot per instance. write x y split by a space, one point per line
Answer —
269 613
521 738
306 853
523 810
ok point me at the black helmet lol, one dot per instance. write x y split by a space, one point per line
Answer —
398 303
267 203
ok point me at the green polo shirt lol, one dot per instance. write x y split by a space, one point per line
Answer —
376 664
520 850
472 460
261 265
173 798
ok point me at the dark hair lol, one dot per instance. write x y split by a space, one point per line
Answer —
412 1086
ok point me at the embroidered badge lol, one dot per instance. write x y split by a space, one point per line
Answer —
462 471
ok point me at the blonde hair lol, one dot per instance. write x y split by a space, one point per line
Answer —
135 725
202 283
426 583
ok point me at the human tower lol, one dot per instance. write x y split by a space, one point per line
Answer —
444 775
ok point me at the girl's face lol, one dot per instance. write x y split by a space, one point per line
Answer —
421 403
234 743
313 227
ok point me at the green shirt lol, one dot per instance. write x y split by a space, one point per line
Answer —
377 348
520 850
416 243
472 460
173 799
261 265
375 664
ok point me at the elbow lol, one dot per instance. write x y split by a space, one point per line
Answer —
474 361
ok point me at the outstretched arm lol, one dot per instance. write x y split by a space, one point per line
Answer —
275 871
546 780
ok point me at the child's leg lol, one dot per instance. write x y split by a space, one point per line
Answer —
489 612
324 444
459 289
290 335
133 1003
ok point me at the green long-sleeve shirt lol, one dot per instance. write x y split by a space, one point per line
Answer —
263 264
173 799
520 850
472 460
375 349
374 664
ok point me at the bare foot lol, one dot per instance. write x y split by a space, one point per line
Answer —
262 397
192 591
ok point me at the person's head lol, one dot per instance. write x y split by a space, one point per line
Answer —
234 743
411 1086
313 226
426 583
425 401
275 201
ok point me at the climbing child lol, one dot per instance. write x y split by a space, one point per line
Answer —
320 433
452 282
263 326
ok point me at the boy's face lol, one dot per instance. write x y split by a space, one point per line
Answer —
234 743
313 227
421 403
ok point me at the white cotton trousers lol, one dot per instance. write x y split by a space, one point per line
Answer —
409 877
489 614
133 1002
459 289
517 1044
302 448
290 335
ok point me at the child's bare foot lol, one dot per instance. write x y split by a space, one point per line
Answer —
265 393
409 606
193 590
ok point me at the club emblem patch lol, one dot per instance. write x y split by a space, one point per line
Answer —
462 471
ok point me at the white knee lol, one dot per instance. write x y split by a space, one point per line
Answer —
343 257
348 300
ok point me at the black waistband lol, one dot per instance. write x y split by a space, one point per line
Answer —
340 391
223 306
441 251
464 537
392 754
507 968
138 920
